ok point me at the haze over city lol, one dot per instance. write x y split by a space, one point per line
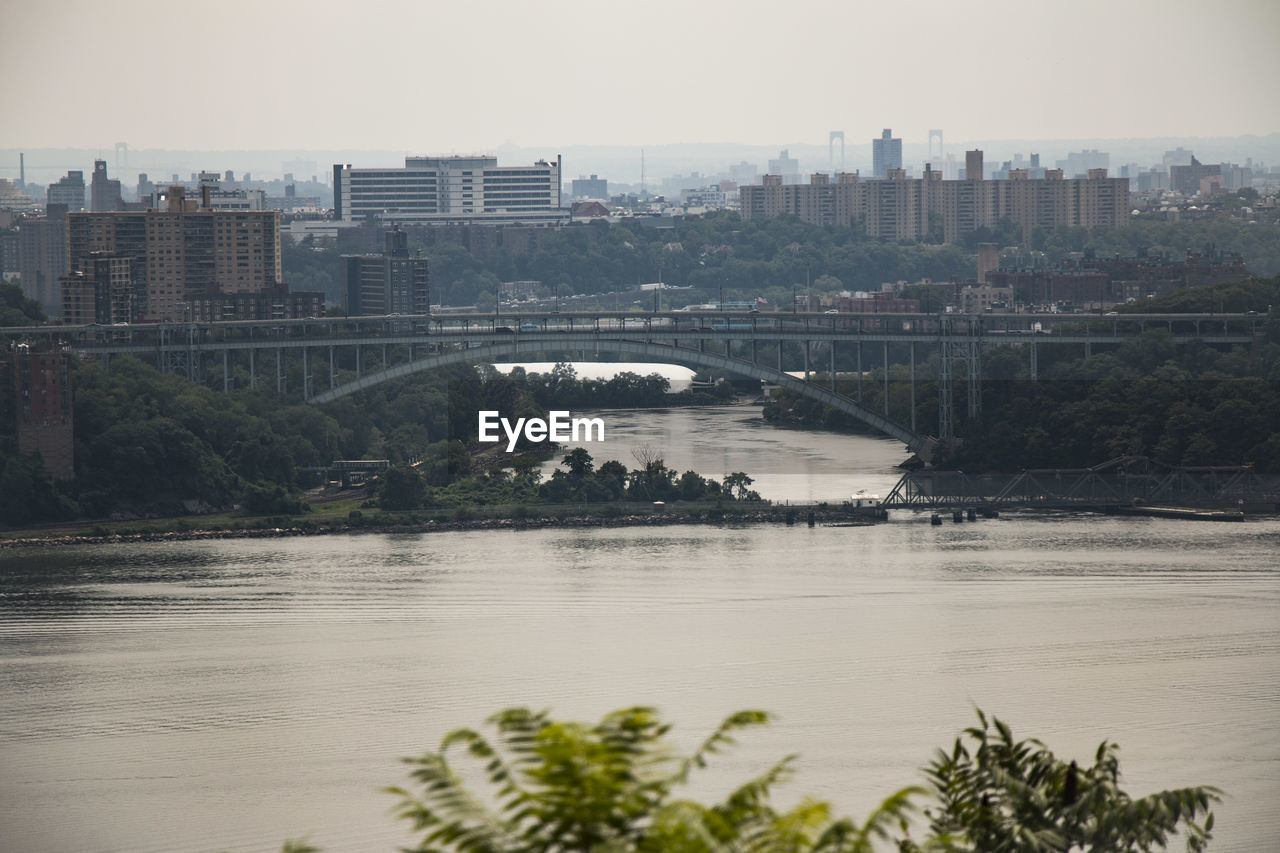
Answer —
442 77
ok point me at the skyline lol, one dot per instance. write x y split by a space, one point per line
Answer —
316 76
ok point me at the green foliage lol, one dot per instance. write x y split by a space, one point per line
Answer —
270 500
27 494
611 786
401 487
16 309
998 795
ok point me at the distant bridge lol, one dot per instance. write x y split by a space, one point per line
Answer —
1121 482
728 341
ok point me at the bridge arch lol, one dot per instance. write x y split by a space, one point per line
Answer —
916 442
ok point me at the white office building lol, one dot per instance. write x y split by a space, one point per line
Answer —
450 190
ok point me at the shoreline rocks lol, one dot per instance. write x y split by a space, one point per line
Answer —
773 515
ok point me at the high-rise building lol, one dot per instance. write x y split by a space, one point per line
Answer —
744 173
886 154
68 190
899 208
1186 179
35 396
973 165
1079 163
100 290
452 191
592 187
42 257
104 193
183 257
785 166
394 282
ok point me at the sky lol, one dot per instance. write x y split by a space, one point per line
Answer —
440 77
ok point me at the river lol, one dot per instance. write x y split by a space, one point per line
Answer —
229 694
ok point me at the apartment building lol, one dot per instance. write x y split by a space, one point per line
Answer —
183 256
899 208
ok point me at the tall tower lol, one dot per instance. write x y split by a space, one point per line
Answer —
886 154
973 165
831 143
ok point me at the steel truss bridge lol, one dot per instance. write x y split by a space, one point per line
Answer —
1120 482
728 341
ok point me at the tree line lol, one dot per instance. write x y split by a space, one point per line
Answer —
516 481
719 253
1194 404
152 444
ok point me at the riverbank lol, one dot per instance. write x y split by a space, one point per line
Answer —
517 518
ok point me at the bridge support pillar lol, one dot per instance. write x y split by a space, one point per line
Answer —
886 377
306 373
1035 364
859 369
913 387
806 361
975 380
359 369
253 369
833 367
946 429
226 371
280 371
332 377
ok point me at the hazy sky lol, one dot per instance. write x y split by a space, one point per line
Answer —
433 77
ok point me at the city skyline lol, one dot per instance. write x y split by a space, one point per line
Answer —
331 75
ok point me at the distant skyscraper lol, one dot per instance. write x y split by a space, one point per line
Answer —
104 192
1079 163
886 154
592 187
68 190
744 173
785 166
973 165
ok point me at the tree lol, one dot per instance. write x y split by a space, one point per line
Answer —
567 786
402 488
999 795
16 309
736 485
579 463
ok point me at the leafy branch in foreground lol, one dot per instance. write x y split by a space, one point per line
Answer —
610 786
998 795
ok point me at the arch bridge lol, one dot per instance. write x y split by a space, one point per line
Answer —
716 340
